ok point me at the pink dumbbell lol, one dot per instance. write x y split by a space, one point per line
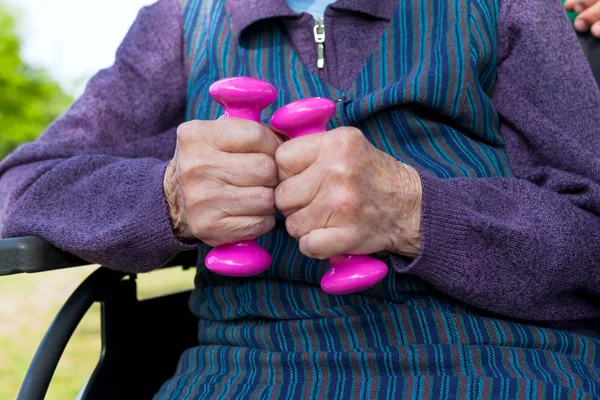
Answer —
241 97
347 273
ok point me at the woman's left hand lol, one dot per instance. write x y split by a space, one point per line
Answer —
342 195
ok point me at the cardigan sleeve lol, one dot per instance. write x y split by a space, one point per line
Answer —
92 183
526 247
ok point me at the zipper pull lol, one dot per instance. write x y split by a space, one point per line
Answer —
319 31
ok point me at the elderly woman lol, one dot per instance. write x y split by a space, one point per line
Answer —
465 145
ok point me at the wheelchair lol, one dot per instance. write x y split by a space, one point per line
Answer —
126 368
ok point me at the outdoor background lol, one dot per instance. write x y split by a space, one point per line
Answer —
48 51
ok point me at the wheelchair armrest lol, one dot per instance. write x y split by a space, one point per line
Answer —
30 254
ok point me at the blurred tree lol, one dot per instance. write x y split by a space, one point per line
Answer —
29 98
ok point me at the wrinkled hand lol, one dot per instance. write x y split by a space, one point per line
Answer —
588 15
342 195
220 183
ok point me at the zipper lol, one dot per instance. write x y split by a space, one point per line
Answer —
319 32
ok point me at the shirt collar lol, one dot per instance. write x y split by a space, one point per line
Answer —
382 9
245 13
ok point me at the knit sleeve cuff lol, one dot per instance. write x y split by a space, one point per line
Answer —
443 236
151 238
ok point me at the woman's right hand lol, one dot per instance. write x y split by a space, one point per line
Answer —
220 183
588 17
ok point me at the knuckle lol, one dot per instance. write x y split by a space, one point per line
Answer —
292 227
193 140
252 133
263 132
267 225
280 196
285 153
266 198
200 204
257 227
344 200
201 164
283 156
188 129
268 169
210 167
183 130
309 249
354 133
340 170
347 137
255 131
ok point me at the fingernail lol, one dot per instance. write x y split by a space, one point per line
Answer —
596 30
580 25
578 8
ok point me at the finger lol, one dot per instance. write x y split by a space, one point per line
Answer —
327 242
303 221
296 155
569 4
241 170
245 136
580 25
280 139
234 135
580 5
234 229
596 29
236 201
587 18
297 191
577 5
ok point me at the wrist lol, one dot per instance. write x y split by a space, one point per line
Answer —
173 198
407 241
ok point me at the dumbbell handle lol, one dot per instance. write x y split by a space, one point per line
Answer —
347 273
241 97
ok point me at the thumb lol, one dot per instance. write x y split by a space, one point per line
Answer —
327 242
296 155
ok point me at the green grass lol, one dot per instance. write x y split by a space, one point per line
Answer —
28 303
